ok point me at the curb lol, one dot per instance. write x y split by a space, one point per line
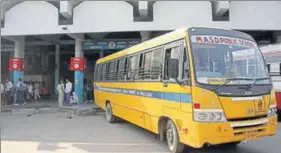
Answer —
51 110
30 111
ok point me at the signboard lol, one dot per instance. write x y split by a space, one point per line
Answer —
16 64
109 45
222 40
77 63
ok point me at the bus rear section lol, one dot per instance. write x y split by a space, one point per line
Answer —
233 99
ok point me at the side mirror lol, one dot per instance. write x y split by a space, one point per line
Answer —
173 68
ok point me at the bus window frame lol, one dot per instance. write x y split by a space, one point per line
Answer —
178 43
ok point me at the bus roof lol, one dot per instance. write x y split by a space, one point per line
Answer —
166 38
177 34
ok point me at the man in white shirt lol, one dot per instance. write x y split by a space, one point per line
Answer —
36 91
2 88
30 91
68 89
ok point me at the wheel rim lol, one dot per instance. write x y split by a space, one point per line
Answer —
171 136
108 112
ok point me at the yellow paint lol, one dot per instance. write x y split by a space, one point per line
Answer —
146 112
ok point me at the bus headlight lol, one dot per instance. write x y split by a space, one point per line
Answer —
272 110
209 115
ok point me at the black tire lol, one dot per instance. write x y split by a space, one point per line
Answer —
172 137
108 114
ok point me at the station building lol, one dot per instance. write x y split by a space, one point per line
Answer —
46 35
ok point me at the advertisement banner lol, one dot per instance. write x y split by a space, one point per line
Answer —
77 63
16 64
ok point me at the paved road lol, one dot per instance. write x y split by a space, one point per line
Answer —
55 133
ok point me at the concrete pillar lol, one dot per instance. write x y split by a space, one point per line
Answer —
18 52
277 36
57 63
145 35
79 75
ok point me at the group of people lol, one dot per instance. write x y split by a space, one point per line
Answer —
19 93
67 96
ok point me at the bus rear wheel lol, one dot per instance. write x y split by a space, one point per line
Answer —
172 138
108 114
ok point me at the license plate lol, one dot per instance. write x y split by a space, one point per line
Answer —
251 135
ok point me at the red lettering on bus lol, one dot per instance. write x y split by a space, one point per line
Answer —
217 40
206 40
198 39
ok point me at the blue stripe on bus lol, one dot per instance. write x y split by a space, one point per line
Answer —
171 96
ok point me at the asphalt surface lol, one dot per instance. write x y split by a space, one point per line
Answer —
61 133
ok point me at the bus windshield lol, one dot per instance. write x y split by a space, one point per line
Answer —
218 58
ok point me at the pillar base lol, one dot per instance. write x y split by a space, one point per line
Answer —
79 85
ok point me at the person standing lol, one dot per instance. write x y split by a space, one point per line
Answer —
30 91
8 88
90 91
20 91
36 91
60 89
2 94
68 89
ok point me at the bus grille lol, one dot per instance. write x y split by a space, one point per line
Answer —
246 118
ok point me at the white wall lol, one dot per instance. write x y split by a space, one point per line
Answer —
102 16
39 17
256 15
31 17
170 15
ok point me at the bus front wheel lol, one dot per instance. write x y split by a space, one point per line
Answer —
172 137
108 114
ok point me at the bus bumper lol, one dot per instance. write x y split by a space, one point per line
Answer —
220 133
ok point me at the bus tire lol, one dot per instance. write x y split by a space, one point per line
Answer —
172 137
109 114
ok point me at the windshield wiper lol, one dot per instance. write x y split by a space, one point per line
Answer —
229 80
255 81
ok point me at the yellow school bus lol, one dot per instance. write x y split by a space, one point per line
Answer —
194 86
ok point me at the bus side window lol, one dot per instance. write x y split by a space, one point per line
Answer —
185 69
107 76
106 73
116 70
103 71
140 69
128 68
100 72
156 69
111 71
171 53
121 69
147 65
